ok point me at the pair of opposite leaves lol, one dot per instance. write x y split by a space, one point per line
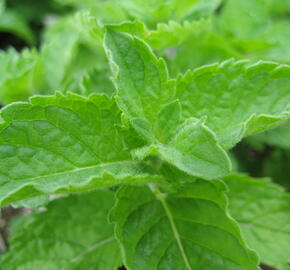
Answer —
48 145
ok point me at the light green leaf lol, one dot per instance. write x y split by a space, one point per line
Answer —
72 234
262 210
174 33
259 29
190 45
145 94
244 19
58 144
143 86
237 97
194 149
168 119
72 48
153 12
202 9
186 230
94 81
33 203
17 75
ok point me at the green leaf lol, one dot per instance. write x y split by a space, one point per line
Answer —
244 19
189 44
58 144
169 117
33 203
17 75
73 233
259 29
146 96
193 149
186 230
262 210
94 81
173 33
153 12
143 86
72 48
237 97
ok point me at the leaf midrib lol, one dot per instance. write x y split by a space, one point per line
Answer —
177 237
78 169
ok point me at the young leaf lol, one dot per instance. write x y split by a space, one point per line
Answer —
63 144
237 98
262 209
186 230
193 149
145 95
143 86
73 233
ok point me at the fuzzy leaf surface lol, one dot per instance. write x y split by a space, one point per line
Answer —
146 95
58 144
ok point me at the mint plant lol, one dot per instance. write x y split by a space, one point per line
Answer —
130 162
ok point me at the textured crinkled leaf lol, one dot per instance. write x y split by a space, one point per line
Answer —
145 94
186 230
238 98
262 210
143 86
63 144
193 149
73 233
